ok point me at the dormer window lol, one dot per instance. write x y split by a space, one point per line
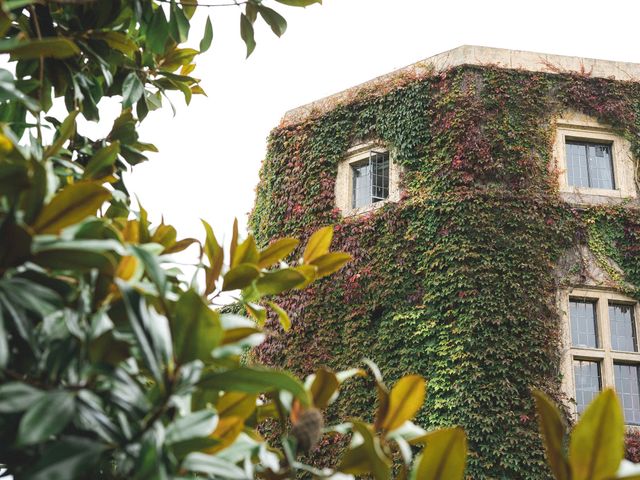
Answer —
590 165
367 179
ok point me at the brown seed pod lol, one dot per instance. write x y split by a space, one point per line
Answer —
308 429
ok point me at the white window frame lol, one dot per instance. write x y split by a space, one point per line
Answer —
582 128
344 179
604 353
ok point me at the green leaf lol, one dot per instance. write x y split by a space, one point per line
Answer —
552 430
246 32
17 397
276 21
276 251
158 31
66 130
278 281
214 466
179 24
444 456
54 47
82 255
367 457
239 277
118 41
245 253
330 263
207 38
195 328
72 204
299 3
101 164
324 386
194 425
69 457
152 267
255 380
47 417
132 90
215 254
283 316
318 244
405 399
596 446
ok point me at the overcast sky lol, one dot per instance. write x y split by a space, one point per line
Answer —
210 152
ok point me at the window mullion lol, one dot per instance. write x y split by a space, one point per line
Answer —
608 379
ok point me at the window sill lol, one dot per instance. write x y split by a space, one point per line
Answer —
372 207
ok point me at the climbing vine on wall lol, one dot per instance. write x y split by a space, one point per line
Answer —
456 281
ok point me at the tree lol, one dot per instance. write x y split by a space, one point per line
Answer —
112 365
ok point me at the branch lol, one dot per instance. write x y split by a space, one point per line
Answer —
195 3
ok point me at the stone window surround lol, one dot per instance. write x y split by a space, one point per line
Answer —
578 126
604 354
344 179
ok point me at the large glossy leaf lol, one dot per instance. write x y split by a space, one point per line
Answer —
330 263
405 399
299 3
195 328
152 267
444 456
318 244
283 316
207 38
35 48
255 380
552 430
72 204
101 164
158 31
324 386
178 24
597 441
66 130
132 90
246 32
367 457
236 404
18 396
194 425
278 281
48 416
276 21
240 277
246 252
214 466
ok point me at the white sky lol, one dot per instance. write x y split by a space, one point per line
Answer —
210 152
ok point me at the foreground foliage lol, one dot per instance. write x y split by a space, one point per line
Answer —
112 365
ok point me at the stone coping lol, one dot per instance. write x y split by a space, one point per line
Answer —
473 55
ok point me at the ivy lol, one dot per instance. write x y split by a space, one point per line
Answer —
456 281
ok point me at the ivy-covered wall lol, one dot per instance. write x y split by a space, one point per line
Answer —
457 281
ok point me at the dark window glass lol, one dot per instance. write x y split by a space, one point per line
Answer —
623 331
371 180
588 383
584 327
626 377
589 165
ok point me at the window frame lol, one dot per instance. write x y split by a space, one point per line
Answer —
586 143
577 127
604 354
344 180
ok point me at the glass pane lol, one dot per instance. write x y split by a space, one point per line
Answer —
361 186
577 173
588 385
584 330
600 167
623 331
379 176
627 389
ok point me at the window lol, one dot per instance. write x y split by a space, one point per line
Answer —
366 179
371 180
594 163
589 165
603 349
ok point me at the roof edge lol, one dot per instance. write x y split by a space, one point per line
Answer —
474 55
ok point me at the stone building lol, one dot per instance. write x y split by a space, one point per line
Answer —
490 200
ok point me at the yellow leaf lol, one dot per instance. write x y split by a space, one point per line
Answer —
236 404
285 321
405 399
227 431
444 456
323 387
330 263
276 251
596 447
318 244
245 253
552 430
127 267
239 277
72 204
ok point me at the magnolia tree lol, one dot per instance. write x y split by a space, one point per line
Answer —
111 364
